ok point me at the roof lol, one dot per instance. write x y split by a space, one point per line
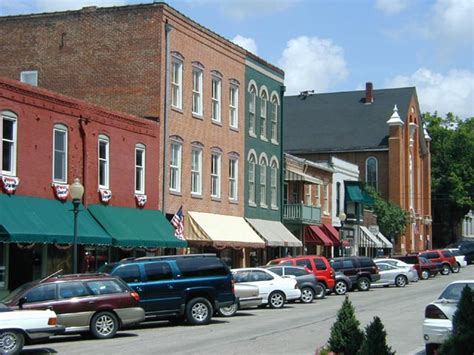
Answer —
341 121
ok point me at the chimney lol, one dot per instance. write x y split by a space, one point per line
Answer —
369 94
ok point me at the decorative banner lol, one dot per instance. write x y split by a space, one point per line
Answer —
25 246
105 195
61 191
62 246
10 183
141 200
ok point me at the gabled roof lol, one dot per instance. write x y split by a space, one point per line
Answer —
342 121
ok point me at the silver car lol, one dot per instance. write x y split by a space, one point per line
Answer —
246 296
400 264
392 275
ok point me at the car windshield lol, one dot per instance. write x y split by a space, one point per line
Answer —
455 252
453 292
16 292
273 262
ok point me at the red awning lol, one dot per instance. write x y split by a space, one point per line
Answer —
314 235
332 233
346 243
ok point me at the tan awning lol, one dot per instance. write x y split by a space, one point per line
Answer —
221 231
274 233
292 175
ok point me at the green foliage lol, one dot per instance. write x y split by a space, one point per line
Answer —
461 341
346 337
375 342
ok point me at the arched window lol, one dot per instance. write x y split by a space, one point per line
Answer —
175 166
274 126
140 169
252 109
60 145
9 143
252 164
263 181
274 184
104 162
263 113
371 172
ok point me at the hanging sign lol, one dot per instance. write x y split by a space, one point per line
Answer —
105 195
10 183
141 200
61 191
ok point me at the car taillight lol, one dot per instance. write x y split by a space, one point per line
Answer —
434 312
331 274
135 296
233 286
376 269
296 285
52 321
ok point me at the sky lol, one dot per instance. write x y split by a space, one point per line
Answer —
339 45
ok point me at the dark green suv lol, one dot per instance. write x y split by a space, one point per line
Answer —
179 287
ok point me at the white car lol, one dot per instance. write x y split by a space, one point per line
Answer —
246 296
413 277
16 326
438 322
273 289
393 275
460 258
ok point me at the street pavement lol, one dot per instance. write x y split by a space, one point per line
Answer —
296 329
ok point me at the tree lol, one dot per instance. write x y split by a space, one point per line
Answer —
375 340
346 337
461 340
452 173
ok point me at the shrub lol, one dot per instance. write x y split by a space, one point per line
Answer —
375 342
346 337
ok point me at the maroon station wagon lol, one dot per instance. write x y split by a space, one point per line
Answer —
96 303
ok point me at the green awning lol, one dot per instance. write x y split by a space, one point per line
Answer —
26 219
355 193
135 227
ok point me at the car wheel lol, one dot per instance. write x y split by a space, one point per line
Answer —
363 284
446 269
198 311
320 291
425 274
455 269
228 311
401 281
104 325
276 299
11 342
430 349
307 295
340 288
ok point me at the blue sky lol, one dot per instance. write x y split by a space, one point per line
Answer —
338 45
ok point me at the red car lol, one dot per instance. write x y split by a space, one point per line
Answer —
318 265
425 268
445 257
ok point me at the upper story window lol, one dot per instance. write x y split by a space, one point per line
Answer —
233 178
274 126
338 198
104 162
60 153
196 171
326 198
177 83
317 194
252 164
29 77
175 167
216 99
197 91
216 174
263 114
371 172
140 169
263 182
252 109
274 184
307 194
234 106
9 142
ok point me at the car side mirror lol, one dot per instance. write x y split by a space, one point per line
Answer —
21 302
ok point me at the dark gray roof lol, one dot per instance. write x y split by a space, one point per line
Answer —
342 120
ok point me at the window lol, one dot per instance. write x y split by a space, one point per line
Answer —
263 115
199 267
234 106
103 162
296 272
72 289
175 167
304 263
252 105
196 171
326 198
177 84
263 182
257 275
158 271
307 194
128 273
317 194
274 127
233 174
9 142
42 293
338 198
276 270
197 91
371 172
320 265
216 99
252 164
29 77
105 287
140 169
274 184
216 175
60 154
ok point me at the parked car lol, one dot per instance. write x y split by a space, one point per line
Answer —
274 290
460 258
246 296
423 266
443 256
466 248
307 283
413 274
438 325
342 285
360 269
95 303
318 265
435 267
16 327
393 275
178 287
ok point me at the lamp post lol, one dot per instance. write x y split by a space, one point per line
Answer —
76 191
342 218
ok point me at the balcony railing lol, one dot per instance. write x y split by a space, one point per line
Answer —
300 213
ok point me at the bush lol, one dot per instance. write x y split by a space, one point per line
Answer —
375 342
346 337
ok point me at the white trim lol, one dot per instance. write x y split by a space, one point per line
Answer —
216 100
177 167
140 147
234 178
104 139
198 171
216 175
60 128
274 159
264 71
198 92
235 107
29 72
10 116
178 83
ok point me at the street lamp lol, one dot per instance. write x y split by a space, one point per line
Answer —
76 191
342 218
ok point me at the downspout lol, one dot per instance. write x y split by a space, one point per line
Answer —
83 121
168 29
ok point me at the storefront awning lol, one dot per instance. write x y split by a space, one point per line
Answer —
367 239
355 193
314 235
332 233
221 231
274 233
386 243
291 175
26 219
134 227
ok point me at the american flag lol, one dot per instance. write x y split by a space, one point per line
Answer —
178 223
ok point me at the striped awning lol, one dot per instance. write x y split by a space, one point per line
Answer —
368 239
386 243
291 175
315 235
274 233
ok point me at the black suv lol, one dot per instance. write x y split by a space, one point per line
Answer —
361 270
178 287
